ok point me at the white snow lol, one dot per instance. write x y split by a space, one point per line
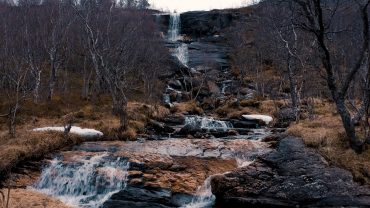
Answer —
264 118
74 130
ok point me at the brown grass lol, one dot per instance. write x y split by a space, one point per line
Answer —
326 133
187 108
232 110
26 198
28 145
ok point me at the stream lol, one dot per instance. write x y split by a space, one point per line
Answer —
94 173
174 171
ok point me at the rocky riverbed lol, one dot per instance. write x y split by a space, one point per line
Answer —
291 175
148 174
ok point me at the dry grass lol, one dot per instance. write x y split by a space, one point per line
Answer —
28 145
321 132
232 110
326 133
26 198
188 108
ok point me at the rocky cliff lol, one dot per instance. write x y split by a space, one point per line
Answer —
207 23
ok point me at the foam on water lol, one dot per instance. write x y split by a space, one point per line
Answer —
86 181
203 197
207 123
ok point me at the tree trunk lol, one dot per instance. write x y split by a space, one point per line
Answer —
52 81
120 110
293 91
12 120
36 92
355 143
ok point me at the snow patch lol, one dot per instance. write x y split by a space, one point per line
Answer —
264 118
89 133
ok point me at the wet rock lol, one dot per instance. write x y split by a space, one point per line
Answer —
205 23
147 197
178 165
160 128
245 124
134 174
175 84
190 129
191 82
141 197
219 133
174 119
292 175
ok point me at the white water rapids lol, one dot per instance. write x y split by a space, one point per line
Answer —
203 197
86 181
208 123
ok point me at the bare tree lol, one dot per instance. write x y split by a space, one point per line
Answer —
315 17
117 43
58 21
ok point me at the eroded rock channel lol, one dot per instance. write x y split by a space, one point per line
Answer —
164 173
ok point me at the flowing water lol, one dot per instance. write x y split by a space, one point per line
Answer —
208 123
181 51
203 197
86 181
174 27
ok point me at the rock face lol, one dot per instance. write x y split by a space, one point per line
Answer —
167 173
290 176
203 23
143 197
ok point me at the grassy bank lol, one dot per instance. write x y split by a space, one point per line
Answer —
325 133
29 145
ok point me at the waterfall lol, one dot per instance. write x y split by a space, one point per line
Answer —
86 181
182 54
207 123
174 27
204 197
181 51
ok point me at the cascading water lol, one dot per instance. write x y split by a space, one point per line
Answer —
86 181
203 197
207 123
174 27
181 51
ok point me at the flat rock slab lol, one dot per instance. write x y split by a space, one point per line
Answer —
290 176
220 148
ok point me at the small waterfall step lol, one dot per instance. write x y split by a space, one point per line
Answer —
83 179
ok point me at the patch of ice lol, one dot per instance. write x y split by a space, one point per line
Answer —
264 118
89 133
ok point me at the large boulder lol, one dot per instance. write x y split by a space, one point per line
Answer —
146 197
290 176
174 119
190 129
159 128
